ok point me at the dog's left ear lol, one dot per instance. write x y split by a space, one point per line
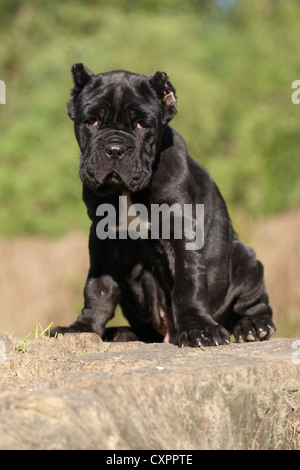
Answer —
166 93
81 76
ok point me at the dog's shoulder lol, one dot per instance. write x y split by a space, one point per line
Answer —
175 158
180 175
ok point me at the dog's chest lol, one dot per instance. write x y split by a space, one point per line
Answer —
133 221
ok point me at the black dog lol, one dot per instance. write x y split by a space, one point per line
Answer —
166 291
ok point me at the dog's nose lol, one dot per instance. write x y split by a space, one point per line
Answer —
115 151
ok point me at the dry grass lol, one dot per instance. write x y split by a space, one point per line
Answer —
41 276
46 276
277 245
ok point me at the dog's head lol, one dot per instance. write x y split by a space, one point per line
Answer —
119 120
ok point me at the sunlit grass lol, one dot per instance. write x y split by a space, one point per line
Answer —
38 332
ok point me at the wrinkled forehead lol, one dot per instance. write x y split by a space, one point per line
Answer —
120 90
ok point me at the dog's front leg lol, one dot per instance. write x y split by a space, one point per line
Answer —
190 302
101 295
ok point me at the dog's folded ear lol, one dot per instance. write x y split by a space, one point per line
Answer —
81 76
166 93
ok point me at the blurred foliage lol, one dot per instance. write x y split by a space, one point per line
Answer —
231 61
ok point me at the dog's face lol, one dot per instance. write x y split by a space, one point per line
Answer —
119 120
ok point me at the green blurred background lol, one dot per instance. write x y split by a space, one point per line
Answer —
232 63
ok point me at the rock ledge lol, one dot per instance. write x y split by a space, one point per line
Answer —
77 392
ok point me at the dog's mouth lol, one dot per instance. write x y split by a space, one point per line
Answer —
113 179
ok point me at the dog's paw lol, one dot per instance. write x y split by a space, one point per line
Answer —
60 330
206 336
256 328
76 327
120 334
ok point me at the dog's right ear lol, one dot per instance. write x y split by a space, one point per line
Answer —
81 76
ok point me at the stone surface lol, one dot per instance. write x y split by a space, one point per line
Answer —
76 392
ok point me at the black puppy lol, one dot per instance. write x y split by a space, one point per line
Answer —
167 291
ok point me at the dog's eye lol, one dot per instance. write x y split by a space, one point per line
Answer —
92 122
141 125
